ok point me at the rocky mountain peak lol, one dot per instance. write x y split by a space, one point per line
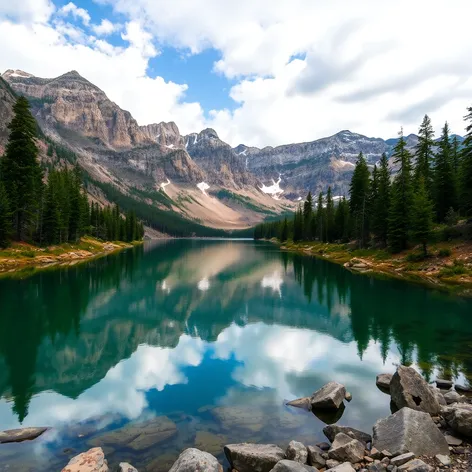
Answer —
208 133
15 73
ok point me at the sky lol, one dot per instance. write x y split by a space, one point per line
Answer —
260 72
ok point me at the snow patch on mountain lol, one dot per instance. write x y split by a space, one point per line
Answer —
203 186
273 189
170 146
165 184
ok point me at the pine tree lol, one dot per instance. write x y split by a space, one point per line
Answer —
320 217
284 231
5 217
444 182
422 216
466 168
341 220
21 173
381 202
330 214
359 202
401 198
298 225
425 153
51 217
307 217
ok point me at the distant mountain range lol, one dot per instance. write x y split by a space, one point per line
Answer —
197 178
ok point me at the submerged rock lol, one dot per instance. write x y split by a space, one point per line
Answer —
459 417
210 442
292 466
252 419
21 434
297 452
345 448
409 431
383 381
91 461
328 397
409 389
248 457
192 460
332 430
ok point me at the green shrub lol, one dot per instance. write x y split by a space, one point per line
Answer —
415 257
445 252
28 254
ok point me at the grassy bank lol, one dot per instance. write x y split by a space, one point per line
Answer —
20 259
448 266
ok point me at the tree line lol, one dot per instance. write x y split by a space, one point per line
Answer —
431 186
52 212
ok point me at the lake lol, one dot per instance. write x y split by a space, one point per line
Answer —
181 343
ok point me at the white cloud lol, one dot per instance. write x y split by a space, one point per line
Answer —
28 11
105 28
76 12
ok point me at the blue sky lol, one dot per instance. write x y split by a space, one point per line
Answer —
260 72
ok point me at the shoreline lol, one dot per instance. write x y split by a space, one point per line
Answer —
450 273
22 259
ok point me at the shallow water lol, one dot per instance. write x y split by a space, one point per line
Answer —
201 343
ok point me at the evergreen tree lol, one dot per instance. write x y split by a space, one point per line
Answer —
444 182
466 168
330 214
359 202
21 173
425 153
381 202
401 198
5 217
307 217
320 217
298 225
341 219
284 231
421 216
455 158
51 216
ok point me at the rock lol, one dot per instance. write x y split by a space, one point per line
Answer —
125 467
409 430
453 397
416 465
91 461
210 442
445 384
453 441
409 389
386 453
375 453
345 467
328 397
459 417
329 416
247 457
438 395
402 459
192 460
348 396
332 430
377 467
345 448
443 460
292 466
383 381
462 388
331 464
252 419
22 434
324 446
297 452
315 457
304 403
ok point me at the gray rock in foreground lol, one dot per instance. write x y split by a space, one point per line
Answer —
459 417
315 457
402 459
409 389
92 460
332 430
453 397
328 397
346 449
297 452
409 431
193 459
416 465
292 466
246 457
345 467
21 434
125 467
383 381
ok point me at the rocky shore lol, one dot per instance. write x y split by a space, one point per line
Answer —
429 430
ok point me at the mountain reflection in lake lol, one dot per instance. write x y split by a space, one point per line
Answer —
200 343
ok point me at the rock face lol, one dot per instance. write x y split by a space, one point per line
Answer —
166 134
91 461
346 449
297 452
247 457
292 466
7 100
409 389
409 431
315 457
192 460
332 430
459 417
383 381
328 397
22 434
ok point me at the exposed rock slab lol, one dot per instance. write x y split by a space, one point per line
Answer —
192 460
459 417
383 381
92 460
292 466
409 389
304 403
416 465
402 459
21 434
409 431
296 451
246 457
332 430
328 397
346 449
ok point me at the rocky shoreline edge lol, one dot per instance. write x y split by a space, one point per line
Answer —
429 430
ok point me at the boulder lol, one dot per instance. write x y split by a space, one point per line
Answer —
409 389
292 466
345 467
453 397
91 461
346 449
315 457
409 430
348 396
459 417
328 397
193 459
439 396
445 384
21 434
463 389
246 457
416 465
297 452
304 403
125 467
402 459
331 463
383 381
332 430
